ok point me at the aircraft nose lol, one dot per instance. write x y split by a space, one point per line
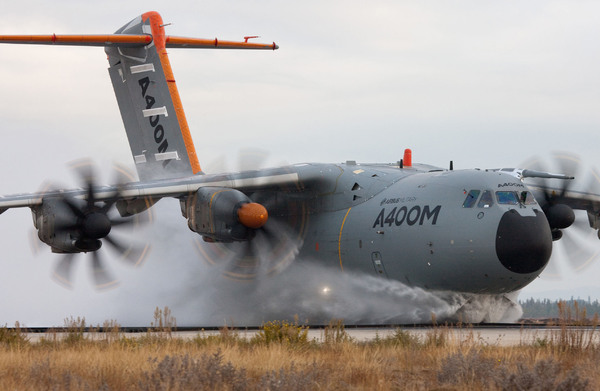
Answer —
523 243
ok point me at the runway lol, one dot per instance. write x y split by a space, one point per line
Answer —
492 336
499 337
486 335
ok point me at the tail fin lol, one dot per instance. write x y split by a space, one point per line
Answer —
152 113
158 133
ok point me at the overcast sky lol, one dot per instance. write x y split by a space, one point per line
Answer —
485 84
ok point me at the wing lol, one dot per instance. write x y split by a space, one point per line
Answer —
177 188
80 220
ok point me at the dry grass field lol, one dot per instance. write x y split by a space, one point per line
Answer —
281 357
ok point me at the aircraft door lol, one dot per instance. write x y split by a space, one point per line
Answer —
378 264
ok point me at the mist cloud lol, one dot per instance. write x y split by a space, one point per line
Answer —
199 294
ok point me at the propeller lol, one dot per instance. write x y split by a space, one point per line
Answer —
272 249
91 224
576 243
276 239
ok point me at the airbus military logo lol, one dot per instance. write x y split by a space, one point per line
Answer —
507 184
387 201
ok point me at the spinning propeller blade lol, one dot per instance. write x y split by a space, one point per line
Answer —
90 226
570 228
275 242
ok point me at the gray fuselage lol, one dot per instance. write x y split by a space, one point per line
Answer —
415 225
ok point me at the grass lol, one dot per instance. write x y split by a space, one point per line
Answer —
281 357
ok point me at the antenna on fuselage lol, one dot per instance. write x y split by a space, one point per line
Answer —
407 158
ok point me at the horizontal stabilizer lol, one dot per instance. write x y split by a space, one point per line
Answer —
133 40
121 40
200 43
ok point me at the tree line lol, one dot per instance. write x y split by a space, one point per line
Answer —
545 308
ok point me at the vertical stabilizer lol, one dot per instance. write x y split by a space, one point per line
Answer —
150 106
146 92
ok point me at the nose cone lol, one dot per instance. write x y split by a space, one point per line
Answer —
253 215
523 243
96 226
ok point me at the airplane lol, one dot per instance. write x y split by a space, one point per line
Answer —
471 231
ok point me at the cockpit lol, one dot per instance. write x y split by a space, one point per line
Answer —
486 198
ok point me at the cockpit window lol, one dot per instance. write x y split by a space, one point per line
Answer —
487 200
471 198
507 197
527 198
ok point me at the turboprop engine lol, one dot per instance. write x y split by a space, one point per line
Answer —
223 214
49 219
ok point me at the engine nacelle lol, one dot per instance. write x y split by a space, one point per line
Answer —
52 213
560 216
213 213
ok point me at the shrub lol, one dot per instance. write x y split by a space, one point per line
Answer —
293 379
470 369
111 331
335 333
543 376
400 338
437 337
227 336
75 329
277 331
164 323
14 338
181 372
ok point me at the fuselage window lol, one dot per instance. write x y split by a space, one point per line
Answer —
487 200
507 197
471 198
